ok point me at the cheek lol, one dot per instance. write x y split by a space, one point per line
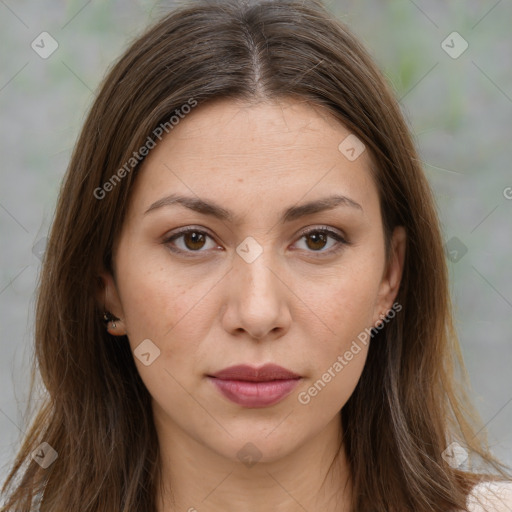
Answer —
158 303
346 306
329 389
337 362
345 302
164 307
153 306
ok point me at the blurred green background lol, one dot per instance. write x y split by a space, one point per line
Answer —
459 108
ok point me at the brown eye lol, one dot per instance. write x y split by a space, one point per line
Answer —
193 240
317 239
189 240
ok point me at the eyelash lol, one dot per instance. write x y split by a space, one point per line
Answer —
331 233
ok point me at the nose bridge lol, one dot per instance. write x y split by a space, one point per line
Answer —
252 268
256 292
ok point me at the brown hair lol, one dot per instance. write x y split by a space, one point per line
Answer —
409 403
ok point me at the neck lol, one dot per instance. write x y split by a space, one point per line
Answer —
314 477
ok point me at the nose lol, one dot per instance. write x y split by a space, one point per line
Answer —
256 299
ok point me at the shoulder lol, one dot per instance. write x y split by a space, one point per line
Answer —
490 497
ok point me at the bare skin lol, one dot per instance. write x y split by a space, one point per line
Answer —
301 303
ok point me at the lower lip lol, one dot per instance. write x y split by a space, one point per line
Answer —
255 394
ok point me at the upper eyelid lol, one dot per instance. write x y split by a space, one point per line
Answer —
307 229
303 232
321 227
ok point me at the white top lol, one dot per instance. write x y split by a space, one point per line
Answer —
490 497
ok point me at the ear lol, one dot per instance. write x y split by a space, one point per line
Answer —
109 301
392 275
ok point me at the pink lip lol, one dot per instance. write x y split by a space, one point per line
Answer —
255 387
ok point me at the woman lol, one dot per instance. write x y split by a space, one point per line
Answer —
244 300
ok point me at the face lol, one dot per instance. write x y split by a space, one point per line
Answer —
283 263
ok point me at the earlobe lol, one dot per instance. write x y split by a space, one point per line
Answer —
109 301
392 277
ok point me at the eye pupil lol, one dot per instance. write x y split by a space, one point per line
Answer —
194 236
317 238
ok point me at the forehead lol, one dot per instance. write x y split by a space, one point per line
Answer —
236 128
229 149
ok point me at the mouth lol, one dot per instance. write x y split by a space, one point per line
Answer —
255 387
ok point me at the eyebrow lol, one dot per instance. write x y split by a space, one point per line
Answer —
292 213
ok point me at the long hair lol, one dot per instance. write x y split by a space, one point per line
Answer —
409 403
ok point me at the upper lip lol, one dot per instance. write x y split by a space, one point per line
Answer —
249 373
